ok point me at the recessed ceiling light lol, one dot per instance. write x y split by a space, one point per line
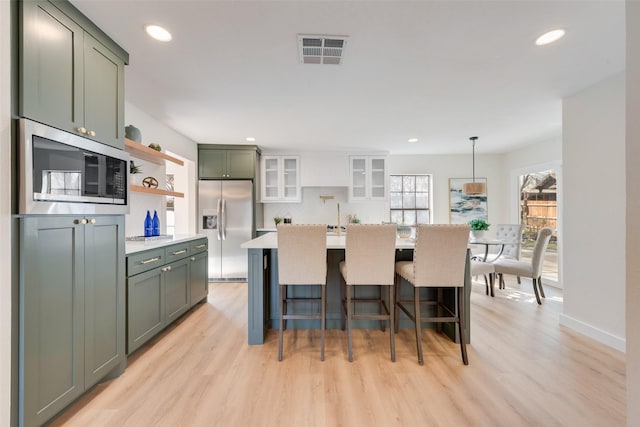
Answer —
550 37
412 140
250 139
158 33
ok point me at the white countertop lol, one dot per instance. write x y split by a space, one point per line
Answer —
270 241
139 246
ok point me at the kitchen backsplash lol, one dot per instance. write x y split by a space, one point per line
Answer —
313 210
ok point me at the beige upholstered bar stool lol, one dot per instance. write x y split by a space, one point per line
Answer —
302 261
439 260
369 260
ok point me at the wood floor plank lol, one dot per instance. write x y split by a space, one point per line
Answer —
525 370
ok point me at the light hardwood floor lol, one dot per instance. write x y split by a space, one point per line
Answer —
524 370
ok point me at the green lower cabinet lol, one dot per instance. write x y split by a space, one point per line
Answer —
71 310
177 298
199 277
163 284
145 307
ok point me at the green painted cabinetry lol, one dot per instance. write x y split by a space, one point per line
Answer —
72 320
162 284
227 162
71 74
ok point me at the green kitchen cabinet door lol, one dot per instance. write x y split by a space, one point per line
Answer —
241 164
52 328
226 163
145 307
199 277
103 93
51 66
104 297
212 164
177 289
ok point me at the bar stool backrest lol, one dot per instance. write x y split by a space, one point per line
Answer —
440 255
302 254
370 254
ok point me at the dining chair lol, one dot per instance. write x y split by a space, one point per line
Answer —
369 260
531 269
302 261
513 233
487 270
439 260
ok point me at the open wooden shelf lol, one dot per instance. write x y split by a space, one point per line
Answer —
141 189
140 151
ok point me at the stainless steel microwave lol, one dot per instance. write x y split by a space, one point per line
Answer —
63 173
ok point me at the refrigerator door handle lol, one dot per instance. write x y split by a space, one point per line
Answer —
219 220
224 219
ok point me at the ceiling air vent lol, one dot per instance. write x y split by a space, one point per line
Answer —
321 49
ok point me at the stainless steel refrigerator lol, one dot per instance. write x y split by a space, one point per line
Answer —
225 212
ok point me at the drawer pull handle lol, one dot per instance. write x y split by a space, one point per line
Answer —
167 268
193 258
201 246
92 221
81 221
147 261
179 252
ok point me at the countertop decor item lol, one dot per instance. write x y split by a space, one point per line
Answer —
404 231
156 147
277 220
133 168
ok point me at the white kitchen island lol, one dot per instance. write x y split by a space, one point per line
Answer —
263 288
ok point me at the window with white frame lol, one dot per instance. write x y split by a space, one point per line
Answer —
410 199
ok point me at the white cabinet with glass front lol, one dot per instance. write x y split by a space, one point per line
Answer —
367 178
280 179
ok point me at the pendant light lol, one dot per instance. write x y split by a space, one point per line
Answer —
474 188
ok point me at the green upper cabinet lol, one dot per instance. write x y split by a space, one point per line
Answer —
227 162
71 74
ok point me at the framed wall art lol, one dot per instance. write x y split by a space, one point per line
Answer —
464 207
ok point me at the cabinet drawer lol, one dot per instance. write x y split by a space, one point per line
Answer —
199 245
144 261
177 251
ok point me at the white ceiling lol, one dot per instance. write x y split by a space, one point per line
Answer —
437 71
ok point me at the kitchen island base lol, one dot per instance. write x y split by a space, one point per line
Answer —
263 296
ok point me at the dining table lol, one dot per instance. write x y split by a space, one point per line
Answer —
487 243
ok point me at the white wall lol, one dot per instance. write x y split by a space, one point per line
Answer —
442 167
5 213
313 210
633 207
594 211
170 140
457 166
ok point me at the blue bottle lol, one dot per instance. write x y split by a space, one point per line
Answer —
148 226
156 224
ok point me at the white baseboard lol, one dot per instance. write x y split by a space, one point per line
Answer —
592 332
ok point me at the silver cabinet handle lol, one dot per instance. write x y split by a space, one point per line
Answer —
193 258
179 252
81 130
201 246
167 268
219 220
147 261
92 221
80 221
91 133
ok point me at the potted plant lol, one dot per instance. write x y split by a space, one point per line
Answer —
134 170
277 220
478 227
